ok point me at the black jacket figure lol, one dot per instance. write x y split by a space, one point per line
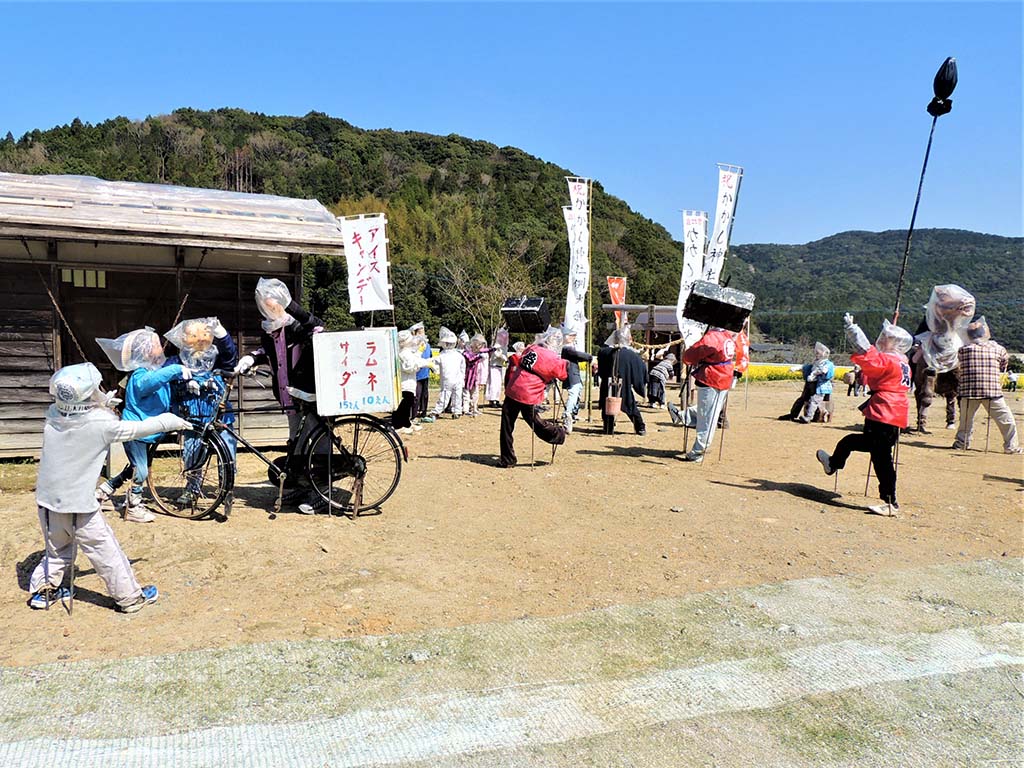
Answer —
620 361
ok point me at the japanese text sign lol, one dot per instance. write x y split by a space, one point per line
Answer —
356 371
366 253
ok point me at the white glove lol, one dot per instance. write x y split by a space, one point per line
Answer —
193 387
186 373
847 320
219 331
245 364
179 424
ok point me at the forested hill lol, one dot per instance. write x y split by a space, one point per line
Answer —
471 223
803 290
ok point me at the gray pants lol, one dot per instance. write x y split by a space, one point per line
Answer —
98 543
705 416
998 411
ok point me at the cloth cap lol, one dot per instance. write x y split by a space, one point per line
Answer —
894 339
446 336
670 357
74 386
136 349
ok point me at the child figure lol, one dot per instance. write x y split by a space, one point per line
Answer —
410 363
887 375
822 372
451 366
476 361
147 393
80 426
496 367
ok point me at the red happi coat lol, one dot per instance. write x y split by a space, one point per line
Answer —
713 355
530 371
887 377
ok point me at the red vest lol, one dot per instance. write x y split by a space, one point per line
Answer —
529 372
713 355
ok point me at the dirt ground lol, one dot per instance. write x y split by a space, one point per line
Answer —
616 519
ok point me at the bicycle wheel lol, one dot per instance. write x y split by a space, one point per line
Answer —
354 456
191 474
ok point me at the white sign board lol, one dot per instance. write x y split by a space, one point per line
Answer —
356 371
366 254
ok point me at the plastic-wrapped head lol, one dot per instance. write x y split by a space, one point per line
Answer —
821 352
518 347
570 334
621 337
978 330
940 350
478 342
194 340
893 339
418 329
76 388
273 298
447 338
463 339
551 338
949 309
407 340
140 348
670 358
501 338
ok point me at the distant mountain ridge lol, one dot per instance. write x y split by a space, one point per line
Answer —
463 212
803 290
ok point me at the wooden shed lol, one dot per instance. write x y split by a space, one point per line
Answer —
118 255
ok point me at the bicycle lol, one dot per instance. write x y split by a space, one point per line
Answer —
352 463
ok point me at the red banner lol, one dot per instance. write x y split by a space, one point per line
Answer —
617 291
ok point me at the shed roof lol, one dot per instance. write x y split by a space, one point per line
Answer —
87 208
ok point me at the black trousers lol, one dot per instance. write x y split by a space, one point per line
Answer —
547 430
422 397
402 416
878 439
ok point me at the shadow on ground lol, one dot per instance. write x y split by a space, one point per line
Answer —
800 490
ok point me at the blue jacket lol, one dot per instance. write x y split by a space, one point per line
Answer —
825 380
424 373
148 393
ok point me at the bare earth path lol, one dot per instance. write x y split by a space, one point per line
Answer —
616 523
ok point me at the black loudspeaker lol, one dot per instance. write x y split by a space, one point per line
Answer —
717 306
526 314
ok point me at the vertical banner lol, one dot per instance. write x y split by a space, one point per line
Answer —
366 254
577 224
695 237
356 371
729 177
617 292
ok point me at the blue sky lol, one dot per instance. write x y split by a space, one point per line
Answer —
822 103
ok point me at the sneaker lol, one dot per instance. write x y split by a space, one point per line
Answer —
456 415
1014 451
48 596
315 504
677 416
406 430
568 426
885 510
826 462
427 420
149 595
641 432
958 447
695 458
138 514
921 430
417 428
951 425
